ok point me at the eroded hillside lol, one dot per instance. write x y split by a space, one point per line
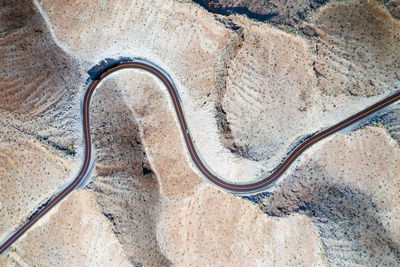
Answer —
252 85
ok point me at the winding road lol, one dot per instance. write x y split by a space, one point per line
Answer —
231 187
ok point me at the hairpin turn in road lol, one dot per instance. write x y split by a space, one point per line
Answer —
231 187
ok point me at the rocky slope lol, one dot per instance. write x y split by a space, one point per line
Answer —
394 7
83 238
38 85
250 91
276 11
126 188
355 206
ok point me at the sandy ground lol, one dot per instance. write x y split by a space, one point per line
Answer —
146 194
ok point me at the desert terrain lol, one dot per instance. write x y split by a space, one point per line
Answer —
255 78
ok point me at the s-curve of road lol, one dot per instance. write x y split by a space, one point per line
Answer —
208 174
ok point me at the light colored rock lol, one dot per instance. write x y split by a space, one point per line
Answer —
29 173
270 82
181 36
367 160
38 114
199 224
349 187
148 101
212 228
76 234
35 72
196 48
185 220
127 190
189 47
8 262
357 49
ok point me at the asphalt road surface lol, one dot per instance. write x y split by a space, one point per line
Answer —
231 187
